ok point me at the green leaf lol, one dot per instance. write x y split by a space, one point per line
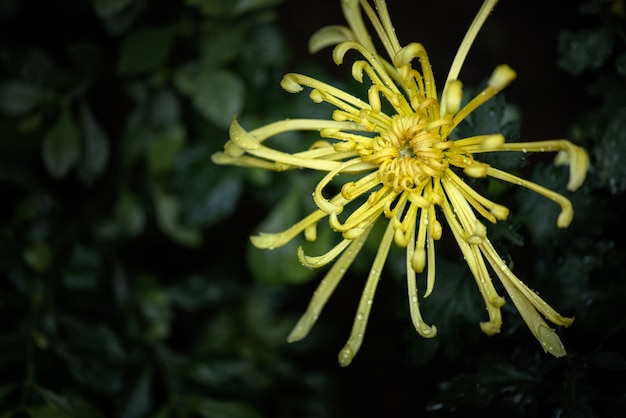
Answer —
538 213
218 95
140 400
168 219
5 390
165 109
620 65
129 214
46 411
209 193
230 8
89 371
95 147
68 404
34 66
18 97
584 50
164 148
92 337
195 292
108 8
223 46
610 153
38 257
212 7
265 47
128 218
265 50
61 146
145 49
84 268
155 308
92 354
281 265
212 408
214 202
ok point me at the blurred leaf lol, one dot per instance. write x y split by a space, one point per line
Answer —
92 353
5 390
69 404
455 308
95 147
496 384
212 408
38 257
222 8
610 156
145 49
128 219
217 201
139 401
213 7
47 411
223 46
611 361
61 146
195 292
125 18
281 265
108 8
165 109
208 192
168 218
34 66
620 65
584 50
88 61
155 307
84 268
18 97
538 213
92 337
218 95
129 214
266 50
164 148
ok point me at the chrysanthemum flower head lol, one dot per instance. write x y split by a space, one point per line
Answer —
410 173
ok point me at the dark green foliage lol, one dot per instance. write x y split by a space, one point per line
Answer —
129 288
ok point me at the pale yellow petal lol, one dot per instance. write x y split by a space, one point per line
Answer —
325 289
329 36
357 333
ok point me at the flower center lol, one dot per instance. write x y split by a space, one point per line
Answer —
408 154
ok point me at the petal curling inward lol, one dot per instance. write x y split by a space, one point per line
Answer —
329 36
567 153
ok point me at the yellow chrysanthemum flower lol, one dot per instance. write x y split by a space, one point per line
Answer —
408 166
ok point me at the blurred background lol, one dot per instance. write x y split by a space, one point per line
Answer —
128 287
